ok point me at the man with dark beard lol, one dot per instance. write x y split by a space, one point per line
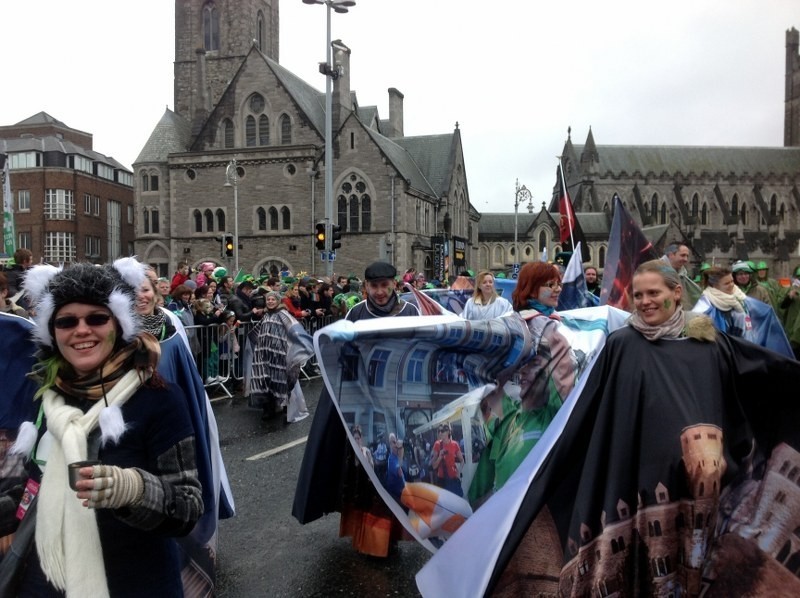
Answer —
382 299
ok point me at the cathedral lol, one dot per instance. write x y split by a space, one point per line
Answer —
242 154
724 203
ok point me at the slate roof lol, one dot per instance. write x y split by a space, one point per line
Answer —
433 155
41 118
695 159
403 161
171 135
310 100
51 143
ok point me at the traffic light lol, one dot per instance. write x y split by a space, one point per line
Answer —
319 236
229 245
336 237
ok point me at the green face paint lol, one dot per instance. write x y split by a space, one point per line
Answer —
667 304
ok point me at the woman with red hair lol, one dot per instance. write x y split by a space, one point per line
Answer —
538 287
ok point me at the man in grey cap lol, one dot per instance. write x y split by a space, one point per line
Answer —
382 299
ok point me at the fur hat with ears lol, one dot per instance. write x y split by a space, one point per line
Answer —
111 286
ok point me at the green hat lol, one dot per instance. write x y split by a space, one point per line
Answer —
741 266
761 266
752 265
797 272
704 266
503 274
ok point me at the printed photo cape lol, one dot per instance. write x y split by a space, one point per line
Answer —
670 468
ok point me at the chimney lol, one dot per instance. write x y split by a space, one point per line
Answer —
396 112
342 104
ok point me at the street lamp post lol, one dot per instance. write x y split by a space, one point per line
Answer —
521 195
232 180
340 6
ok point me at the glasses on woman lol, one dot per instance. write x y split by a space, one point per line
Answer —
70 322
553 284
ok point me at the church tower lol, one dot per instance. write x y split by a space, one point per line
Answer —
791 119
212 38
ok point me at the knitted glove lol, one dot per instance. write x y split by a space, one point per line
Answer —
115 487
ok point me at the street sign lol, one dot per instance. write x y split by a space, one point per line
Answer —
332 256
323 256
516 268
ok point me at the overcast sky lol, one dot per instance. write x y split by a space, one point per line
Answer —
515 74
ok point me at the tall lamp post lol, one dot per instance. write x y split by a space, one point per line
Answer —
521 195
340 6
232 180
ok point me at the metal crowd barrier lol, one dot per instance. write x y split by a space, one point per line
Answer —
219 353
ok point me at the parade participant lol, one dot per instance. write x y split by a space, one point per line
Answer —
485 303
773 287
791 308
737 314
7 305
641 449
23 260
744 277
102 400
198 549
593 284
277 347
322 487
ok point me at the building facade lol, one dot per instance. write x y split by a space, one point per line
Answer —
70 202
397 198
725 203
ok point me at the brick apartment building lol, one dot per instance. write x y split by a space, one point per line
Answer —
71 203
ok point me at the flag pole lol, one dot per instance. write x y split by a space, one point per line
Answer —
570 212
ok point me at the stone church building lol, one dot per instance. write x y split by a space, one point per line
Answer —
725 203
396 198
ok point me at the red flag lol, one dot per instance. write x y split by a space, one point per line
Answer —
570 231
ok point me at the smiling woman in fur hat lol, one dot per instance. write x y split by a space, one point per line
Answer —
101 399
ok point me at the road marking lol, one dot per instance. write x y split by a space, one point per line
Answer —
277 450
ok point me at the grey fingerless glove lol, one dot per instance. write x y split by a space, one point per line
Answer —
115 487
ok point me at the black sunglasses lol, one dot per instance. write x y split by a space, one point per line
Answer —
93 320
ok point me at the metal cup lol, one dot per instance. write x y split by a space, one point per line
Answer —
74 473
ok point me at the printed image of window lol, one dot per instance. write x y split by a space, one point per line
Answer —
415 370
377 368
114 222
24 200
59 204
23 240
59 247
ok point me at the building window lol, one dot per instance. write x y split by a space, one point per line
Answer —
96 207
105 171
146 221
154 221
695 205
273 219
250 131
704 214
210 27
601 257
263 130
92 246
227 132
23 240
664 213
87 203
261 214
198 221
260 30
80 163
286 130
354 206
145 182
114 221
59 204
744 213
150 221
24 200
734 208
153 182
220 219
209 217
25 160
286 218
130 214
59 247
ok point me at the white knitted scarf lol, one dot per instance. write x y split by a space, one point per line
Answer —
724 301
67 538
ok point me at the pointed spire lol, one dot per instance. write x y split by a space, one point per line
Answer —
589 153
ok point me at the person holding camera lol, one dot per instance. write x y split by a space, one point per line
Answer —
791 318
446 453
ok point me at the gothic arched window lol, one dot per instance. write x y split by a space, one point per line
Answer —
220 219
286 218
286 129
341 212
263 130
695 205
250 131
198 221
366 213
273 219
261 215
704 214
209 220
354 205
260 30
210 27
664 213
227 132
